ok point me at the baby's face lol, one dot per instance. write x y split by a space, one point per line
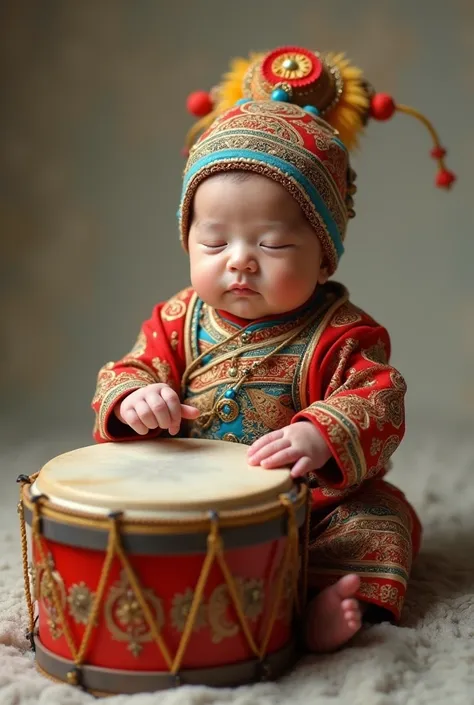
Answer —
252 251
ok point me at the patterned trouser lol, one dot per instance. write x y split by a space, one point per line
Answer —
374 533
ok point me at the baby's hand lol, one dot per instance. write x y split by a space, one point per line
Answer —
300 443
154 406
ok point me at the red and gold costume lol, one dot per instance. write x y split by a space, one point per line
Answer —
292 115
335 373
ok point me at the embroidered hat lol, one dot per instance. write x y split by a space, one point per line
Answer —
292 115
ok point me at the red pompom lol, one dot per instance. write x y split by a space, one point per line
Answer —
445 178
382 106
199 103
438 152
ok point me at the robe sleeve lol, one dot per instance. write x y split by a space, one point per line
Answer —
157 356
357 402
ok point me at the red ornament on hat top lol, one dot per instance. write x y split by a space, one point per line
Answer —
290 69
293 65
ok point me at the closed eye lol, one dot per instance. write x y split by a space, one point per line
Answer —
277 247
213 247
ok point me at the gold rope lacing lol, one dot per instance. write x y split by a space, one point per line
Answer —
215 552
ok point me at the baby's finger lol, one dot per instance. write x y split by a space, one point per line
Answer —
189 412
268 450
160 410
302 467
145 414
130 417
280 459
265 440
171 400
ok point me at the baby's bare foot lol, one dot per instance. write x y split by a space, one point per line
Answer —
334 616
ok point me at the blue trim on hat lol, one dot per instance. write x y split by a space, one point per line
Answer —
282 166
340 143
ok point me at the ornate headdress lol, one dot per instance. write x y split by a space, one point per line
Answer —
292 115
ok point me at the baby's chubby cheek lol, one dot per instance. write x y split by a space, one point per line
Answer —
206 282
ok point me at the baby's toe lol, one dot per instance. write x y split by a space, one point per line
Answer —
350 605
352 613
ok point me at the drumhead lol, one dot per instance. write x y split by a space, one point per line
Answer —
159 476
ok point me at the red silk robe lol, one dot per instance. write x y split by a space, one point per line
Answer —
335 374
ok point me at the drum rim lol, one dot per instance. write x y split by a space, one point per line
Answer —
277 661
189 523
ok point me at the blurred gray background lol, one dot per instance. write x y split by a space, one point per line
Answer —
92 123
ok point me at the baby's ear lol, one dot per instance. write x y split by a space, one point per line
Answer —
323 275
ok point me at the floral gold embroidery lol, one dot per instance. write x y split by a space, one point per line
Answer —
80 600
124 616
45 592
222 619
251 592
221 626
180 609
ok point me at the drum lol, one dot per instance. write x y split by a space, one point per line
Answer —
162 562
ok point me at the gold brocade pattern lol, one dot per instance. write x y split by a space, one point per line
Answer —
347 315
123 382
273 128
368 534
163 370
340 364
271 396
108 379
384 406
376 353
250 137
279 128
279 369
385 450
375 446
219 329
174 340
276 412
140 346
344 437
176 307
389 595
